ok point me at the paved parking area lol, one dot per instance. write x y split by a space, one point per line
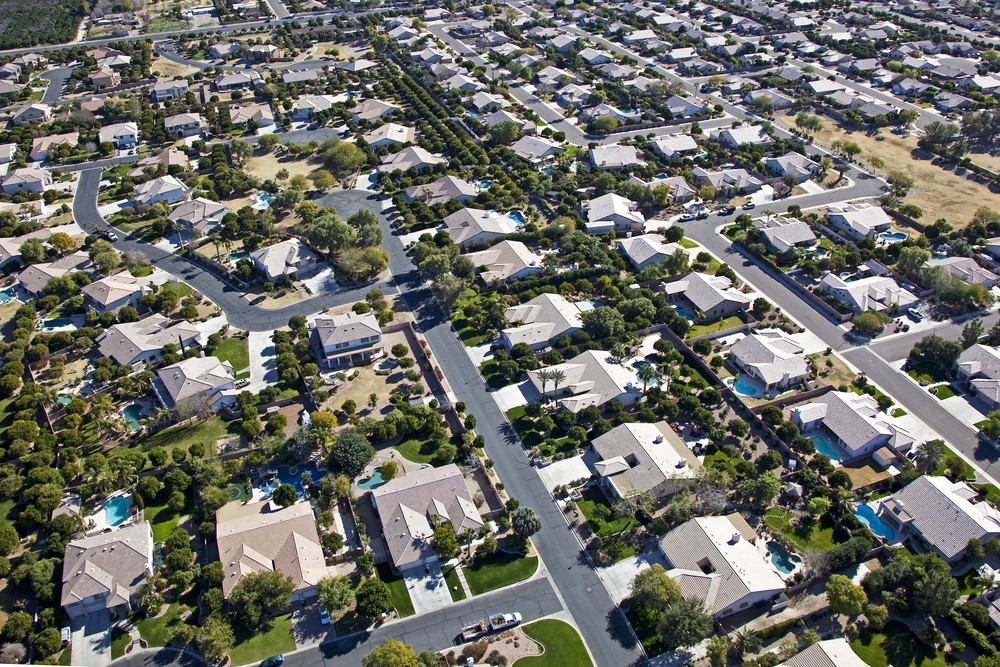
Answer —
91 645
568 470
428 589
617 578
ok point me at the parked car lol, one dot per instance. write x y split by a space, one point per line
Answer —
687 217
324 615
915 315
703 214
727 210
749 205
273 661
112 236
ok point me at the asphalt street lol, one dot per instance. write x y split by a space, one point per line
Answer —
57 82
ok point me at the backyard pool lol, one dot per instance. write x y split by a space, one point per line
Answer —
517 217
369 483
293 474
825 444
867 516
237 256
485 185
64 400
57 323
5 296
743 387
263 202
116 510
132 414
783 562
892 237
820 252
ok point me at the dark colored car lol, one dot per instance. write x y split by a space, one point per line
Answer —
273 661
727 210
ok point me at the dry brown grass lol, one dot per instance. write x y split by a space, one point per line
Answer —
169 69
864 473
940 193
267 166
839 374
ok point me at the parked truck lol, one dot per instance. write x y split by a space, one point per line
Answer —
496 623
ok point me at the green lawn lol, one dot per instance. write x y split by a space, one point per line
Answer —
66 657
498 570
6 414
687 243
141 271
236 351
897 646
119 640
561 644
899 412
592 497
397 591
532 438
816 536
418 450
942 391
182 436
469 334
991 493
158 631
968 472
454 585
718 325
276 639
923 372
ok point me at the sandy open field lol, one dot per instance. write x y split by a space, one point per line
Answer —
266 166
168 69
940 193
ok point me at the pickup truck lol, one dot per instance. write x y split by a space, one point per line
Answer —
496 623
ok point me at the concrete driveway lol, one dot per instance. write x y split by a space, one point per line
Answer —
92 640
263 361
428 589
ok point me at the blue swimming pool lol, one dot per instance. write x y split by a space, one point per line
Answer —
893 237
263 202
825 444
517 217
742 387
116 510
64 400
237 256
132 414
371 482
5 296
783 562
57 323
485 185
867 516
293 475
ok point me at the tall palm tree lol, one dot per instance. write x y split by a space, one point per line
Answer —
646 373
929 455
557 377
746 641
545 376
101 405
618 351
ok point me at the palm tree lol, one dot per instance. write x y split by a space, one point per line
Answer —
646 373
545 376
746 641
215 238
467 536
929 455
557 377
618 351
101 405
123 472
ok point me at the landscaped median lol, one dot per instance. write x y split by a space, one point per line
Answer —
561 646
498 570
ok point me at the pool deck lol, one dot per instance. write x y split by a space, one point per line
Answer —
98 521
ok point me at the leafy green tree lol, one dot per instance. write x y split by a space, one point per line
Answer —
845 597
351 452
215 638
335 593
373 598
525 522
684 623
257 595
869 324
285 495
17 627
445 541
391 653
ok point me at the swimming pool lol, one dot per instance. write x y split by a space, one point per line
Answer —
485 185
132 414
116 510
867 516
783 562
825 444
57 323
293 475
5 296
893 237
517 217
64 400
639 364
237 256
742 387
263 202
820 252
371 482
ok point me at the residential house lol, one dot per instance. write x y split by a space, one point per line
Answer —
822 87
483 102
309 105
706 298
171 159
592 378
348 339
673 146
33 113
638 37
167 189
858 221
593 57
562 43
237 80
224 50
682 107
198 381
946 102
785 234
536 150
878 293
184 125
941 516
506 260
104 77
40 145
967 269
616 71
261 114
287 260
202 214
612 157
681 191
411 157
549 78
261 53
116 291
574 95
390 134
540 321
502 115
462 83
469 225
372 110
612 212
776 98
162 91
26 179
10 88
259 537
8 153
978 367
714 560
131 343
301 75
407 506
792 165
835 652
32 280
122 135
643 458
728 182
647 249
908 86
442 191
755 135
772 358
605 109
853 423
104 573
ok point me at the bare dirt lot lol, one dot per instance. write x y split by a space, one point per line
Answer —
169 69
940 193
267 166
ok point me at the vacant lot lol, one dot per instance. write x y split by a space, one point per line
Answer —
267 166
940 193
169 69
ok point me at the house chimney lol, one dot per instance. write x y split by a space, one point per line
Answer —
735 538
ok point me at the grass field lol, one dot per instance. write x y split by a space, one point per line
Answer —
418 450
162 519
498 570
561 646
254 648
158 631
718 325
896 645
942 391
119 640
454 585
236 351
816 536
182 436
397 591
